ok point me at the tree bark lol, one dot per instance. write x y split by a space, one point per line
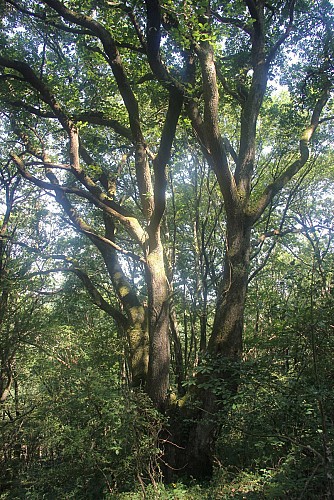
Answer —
216 387
226 338
158 312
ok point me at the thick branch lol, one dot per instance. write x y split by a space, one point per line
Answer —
197 123
163 156
144 180
252 104
251 4
211 125
153 35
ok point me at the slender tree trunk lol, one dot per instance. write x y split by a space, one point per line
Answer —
178 355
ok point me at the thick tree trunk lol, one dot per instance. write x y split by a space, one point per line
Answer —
158 312
226 338
215 387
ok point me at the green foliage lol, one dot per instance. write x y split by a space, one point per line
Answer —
279 425
78 433
71 425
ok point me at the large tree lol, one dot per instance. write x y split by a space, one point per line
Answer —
94 92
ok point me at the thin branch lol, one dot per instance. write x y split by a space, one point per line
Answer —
98 298
130 46
129 222
114 60
304 153
136 26
91 117
95 295
236 95
285 35
46 21
32 79
233 21
326 119
48 353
